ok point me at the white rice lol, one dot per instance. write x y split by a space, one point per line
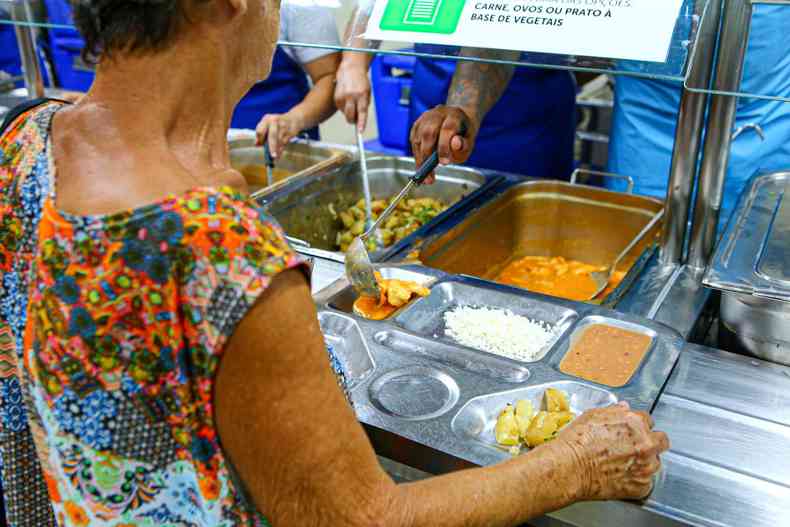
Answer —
499 331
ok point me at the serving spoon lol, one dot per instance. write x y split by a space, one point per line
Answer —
268 159
359 268
602 278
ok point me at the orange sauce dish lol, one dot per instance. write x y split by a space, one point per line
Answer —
556 276
394 295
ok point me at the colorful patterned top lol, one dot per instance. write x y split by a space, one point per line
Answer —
128 317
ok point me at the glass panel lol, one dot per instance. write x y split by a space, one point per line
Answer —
674 69
766 71
54 17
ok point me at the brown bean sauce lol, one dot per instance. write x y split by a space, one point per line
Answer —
606 354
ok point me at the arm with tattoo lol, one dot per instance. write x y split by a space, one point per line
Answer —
477 86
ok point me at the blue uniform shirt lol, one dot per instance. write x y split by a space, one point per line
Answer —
645 116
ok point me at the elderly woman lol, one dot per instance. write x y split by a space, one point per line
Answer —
170 353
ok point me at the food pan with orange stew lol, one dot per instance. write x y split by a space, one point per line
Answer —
548 237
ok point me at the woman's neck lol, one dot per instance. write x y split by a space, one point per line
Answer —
181 98
151 125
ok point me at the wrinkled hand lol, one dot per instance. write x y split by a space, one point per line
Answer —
352 93
278 130
617 452
439 129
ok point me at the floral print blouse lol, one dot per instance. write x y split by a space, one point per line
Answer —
124 322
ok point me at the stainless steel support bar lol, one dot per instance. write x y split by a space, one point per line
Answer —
688 138
25 37
734 39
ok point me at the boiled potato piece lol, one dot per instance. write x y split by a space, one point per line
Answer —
556 401
506 428
409 216
524 414
357 212
562 418
541 429
347 219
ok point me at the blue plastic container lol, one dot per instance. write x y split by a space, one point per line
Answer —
391 78
9 51
72 73
59 12
65 46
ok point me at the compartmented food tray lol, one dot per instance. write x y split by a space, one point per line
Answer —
427 388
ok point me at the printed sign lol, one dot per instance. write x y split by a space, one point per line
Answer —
620 29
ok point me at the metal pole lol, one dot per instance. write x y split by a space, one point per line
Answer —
688 138
718 139
25 37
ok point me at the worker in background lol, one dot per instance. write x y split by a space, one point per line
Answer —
645 117
523 120
298 95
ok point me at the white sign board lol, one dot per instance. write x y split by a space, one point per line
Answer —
619 29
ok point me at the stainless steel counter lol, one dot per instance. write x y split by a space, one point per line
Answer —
728 418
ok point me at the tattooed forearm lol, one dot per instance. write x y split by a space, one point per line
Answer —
477 86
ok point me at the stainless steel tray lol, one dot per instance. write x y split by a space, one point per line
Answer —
431 391
306 208
301 158
546 218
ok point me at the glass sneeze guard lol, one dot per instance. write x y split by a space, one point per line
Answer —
766 69
763 61
672 70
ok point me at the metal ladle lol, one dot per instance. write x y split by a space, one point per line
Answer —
602 278
269 161
359 269
363 163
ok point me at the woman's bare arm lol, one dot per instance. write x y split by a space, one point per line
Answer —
317 106
306 460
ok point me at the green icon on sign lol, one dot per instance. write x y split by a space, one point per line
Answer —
425 16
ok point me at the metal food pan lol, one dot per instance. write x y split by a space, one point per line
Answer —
307 209
425 316
548 218
476 420
301 158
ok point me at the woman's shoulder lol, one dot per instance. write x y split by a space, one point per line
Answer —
23 141
34 122
220 229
